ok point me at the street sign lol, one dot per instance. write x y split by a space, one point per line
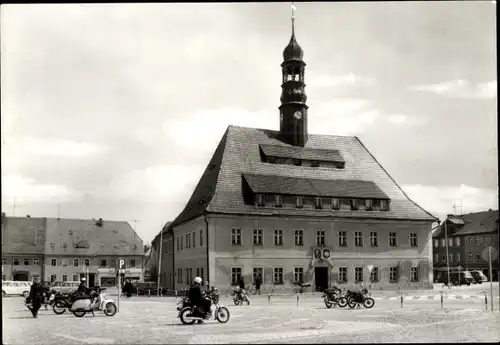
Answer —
121 263
485 254
370 267
121 271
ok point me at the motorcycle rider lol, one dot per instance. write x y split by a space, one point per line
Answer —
197 298
82 288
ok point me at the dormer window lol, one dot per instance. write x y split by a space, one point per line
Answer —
271 160
354 204
259 200
340 165
335 204
318 203
368 204
300 202
278 200
384 205
297 162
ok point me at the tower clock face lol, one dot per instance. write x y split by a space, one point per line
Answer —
297 115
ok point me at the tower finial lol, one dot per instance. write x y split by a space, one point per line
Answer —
293 18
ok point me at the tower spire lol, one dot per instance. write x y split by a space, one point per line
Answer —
293 18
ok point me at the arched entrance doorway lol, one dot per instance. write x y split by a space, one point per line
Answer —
21 276
322 275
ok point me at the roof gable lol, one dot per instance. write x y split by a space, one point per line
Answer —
23 235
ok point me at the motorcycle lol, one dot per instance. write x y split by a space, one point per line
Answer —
240 296
189 314
97 301
302 287
355 298
333 297
62 302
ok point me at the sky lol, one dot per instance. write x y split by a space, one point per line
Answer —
113 111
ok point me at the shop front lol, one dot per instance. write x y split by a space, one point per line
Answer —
106 277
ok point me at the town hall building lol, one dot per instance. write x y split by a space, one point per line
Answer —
289 206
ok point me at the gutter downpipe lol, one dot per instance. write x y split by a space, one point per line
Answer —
208 248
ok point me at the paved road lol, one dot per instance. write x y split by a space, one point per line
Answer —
152 321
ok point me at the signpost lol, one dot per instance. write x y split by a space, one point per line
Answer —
121 263
487 254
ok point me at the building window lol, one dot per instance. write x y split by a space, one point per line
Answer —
457 255
103 263
444 258
384 205
393 274
64 278
75 277
36 262
278 237
443 242
318 203
335 204
393 239
485 240
53 278
450 242
194 239
358 239
470 256
358 274
188 240
493 239
477 239
26 262
76 262
342 274
414 274
278 275
457 241
132 263
53 262
478 257
469 238
87 262
201 273
259 200
354 204
299 237
320 237
374 275
300 202
258 272
257 237
436 257
450 256
236 237
298 275
373 239
413 239
201 238
235 275
368 204
436 243
182 242
278 200
342 239
178 243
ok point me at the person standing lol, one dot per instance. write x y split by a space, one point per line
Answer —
36 293
258 282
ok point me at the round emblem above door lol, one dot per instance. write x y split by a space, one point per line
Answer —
326 253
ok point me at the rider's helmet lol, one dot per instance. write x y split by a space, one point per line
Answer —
197 280
83 280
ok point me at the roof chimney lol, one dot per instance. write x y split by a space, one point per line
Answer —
490 210
28 216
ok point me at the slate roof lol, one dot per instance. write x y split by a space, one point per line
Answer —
112 238
471 223
302 153
275 184
22 235
220 187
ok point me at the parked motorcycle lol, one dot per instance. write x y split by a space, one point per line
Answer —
355 298
97 301
189 314
240 297
62 302
301 288
333 297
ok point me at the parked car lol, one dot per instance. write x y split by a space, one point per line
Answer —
464 277
17 288
146 288
479 277
64 287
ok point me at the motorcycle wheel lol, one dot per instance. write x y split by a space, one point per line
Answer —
247 300
342 302
222 315
295 290
185 315
236 302
351 303
59 308
369 302
80 312
328 304
110 309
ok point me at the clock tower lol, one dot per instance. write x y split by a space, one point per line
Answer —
293 108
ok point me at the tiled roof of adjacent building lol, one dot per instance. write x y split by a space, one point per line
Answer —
85 237
220 187
23 235
471 223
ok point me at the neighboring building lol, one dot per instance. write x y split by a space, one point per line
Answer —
23 245
91 248
468 236
289 206
147 265
67 249
166 277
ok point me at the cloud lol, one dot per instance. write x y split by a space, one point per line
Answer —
350 79
406 120
460 88
28 191
60 147
439 200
